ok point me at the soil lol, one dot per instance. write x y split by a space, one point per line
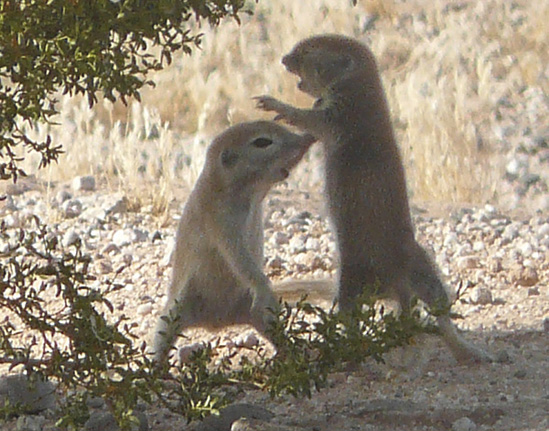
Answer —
502 260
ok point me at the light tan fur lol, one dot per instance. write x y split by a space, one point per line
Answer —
218 276
365 181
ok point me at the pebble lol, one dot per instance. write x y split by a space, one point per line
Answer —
495 265
145 309
248 341
468 262
124 237
481 296
70 237
464 424
296 245
83 183
478 246
543 231
15 390
312 244
13 221
104 421
524 276
30 423
275 262
62 196
510 232
279 238
111 247
450 239
71 208
525 249
104 266
185 352
231 415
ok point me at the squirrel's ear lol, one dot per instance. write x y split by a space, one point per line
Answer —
228 158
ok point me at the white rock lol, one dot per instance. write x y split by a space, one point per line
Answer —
464 424
115 204
185 352
525 249
478 246
468 262
297 245
279 238
248 341
275 262
144 309
312 244
8 204
450 239
85 183
510 232
30 423
62 196
128 236
543 230
70 238
517 166
481 296
13 221
71 208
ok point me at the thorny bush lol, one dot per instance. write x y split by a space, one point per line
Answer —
78 343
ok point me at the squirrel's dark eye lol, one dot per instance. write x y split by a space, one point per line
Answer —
262 142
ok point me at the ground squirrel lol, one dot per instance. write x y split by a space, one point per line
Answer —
365 181
218 274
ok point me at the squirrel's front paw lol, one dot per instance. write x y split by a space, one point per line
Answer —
267 103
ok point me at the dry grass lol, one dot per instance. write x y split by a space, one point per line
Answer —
445 65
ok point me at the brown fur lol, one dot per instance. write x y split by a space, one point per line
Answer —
218 274
365 180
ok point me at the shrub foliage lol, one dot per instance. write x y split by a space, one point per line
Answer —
86 47
80 344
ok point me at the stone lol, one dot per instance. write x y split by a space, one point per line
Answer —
185 352
83 183
144 309
248 341
464 424
543 230
115 204
123 237
35 396
525 249
30 423
468 262
481 296
62 196
105 421
510 232
275 262
70 237
495 265
478 246
233 413
524 276
279 238
71 208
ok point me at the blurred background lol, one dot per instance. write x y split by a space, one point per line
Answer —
467 84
